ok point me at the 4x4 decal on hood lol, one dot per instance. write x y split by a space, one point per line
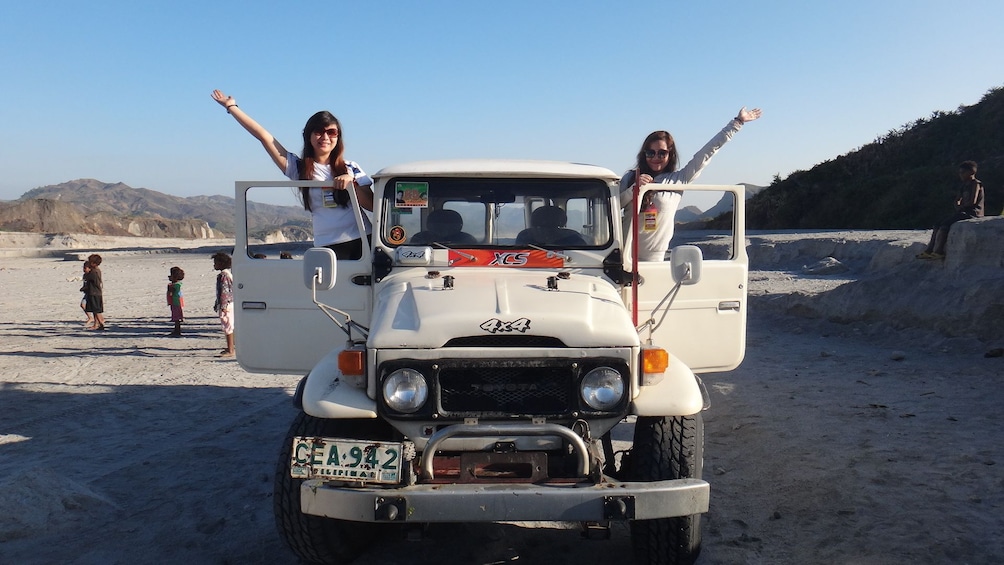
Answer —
495 325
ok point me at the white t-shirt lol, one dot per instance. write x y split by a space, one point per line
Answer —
332 223
656 223
654 237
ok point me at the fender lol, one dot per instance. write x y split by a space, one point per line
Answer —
677 394
328 394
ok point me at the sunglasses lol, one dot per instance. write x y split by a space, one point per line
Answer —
330 132
652 153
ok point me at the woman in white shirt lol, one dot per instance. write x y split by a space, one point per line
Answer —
322 159
657 162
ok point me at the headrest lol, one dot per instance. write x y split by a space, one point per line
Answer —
548 217
444 221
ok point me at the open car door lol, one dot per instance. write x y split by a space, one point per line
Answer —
278 328
705 326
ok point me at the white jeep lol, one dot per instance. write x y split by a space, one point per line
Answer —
472 364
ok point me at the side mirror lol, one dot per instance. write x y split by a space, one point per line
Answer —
319 268
686 261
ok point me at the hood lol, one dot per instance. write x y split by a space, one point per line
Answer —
414 311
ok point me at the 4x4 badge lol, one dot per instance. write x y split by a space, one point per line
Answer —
495 325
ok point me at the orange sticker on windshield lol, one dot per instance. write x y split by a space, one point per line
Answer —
396 235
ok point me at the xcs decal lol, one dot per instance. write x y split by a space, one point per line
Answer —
510 259
495 325
506 259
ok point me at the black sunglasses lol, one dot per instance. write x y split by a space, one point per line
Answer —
651 153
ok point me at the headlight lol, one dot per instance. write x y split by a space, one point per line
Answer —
602 388
405 390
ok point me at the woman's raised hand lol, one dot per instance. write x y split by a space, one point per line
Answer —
223 99
748 115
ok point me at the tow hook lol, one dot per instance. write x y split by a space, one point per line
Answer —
390 509
618 507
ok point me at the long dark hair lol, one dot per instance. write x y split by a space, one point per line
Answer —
320 121
674 158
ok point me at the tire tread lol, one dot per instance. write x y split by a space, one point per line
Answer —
667 448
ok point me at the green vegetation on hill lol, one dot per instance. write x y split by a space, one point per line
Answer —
906 179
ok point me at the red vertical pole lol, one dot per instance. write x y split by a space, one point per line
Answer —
636 193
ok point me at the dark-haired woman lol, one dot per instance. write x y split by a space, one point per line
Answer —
322 159
657 162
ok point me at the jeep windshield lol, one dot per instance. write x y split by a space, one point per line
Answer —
491 212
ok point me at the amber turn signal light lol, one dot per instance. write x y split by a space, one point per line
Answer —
654 362
352 362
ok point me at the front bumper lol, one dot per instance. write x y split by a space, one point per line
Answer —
507 502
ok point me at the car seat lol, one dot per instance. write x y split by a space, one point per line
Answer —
443 226
547 227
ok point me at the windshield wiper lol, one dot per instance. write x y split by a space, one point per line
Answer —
467 256
551 251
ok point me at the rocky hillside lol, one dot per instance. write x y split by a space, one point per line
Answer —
93 207
52 216
903 180
873 277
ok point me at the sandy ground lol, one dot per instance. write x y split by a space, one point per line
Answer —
830 444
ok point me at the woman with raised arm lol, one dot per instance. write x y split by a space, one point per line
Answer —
322 159
657 162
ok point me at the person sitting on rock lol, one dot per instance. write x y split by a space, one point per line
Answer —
968 205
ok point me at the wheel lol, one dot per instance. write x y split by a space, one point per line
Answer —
667 448
315 539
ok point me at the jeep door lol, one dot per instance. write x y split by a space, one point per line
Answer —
278 328
705 326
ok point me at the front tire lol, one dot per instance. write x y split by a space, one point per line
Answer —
315 539
667 448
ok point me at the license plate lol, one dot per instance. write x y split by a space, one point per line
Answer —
346 460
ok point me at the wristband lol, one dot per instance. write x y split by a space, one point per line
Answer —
231 106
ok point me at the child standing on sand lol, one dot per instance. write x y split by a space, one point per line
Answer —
224 305
94 301
83 299
175 300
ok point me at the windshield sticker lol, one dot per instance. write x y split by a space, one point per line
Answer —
396 235
518 258
411 195
495 326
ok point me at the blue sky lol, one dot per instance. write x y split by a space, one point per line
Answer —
120 90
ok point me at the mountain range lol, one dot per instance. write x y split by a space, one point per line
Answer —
94 207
